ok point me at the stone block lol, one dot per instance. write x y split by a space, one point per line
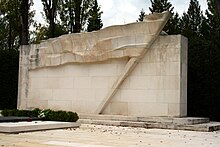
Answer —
138 96
66 82
36 103
170 68
171 82
73 70
172 96
103 70
174 109
82 82
146 82
65 105
64 94
170 55
52 83
85 94
119 108
45 94
147 109
100 82
151 69
101 93
55 72
38 83
34 94
152 55
38 73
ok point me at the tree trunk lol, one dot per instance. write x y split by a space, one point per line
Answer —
24 22
77 11
10 36
218 6
52 27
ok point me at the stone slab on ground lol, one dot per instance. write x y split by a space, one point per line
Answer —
17 127
111 136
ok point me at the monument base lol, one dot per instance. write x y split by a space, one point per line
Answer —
174 123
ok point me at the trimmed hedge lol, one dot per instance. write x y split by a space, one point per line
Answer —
47 115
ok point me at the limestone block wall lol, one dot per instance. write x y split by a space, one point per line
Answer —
156 87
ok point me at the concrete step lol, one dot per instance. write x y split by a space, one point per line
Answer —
204 127
184 123
169 120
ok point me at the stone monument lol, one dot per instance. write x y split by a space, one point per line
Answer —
120 70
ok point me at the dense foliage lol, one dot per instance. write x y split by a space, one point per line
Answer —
94 21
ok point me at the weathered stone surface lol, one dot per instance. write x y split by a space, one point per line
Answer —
112 42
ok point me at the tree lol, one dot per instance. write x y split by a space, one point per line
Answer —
174 25
24 7
196 29
50 10
160 6
218 6
210 36
15 19
192 20
141 16
74 14
94 21
3 33
42 32
9 11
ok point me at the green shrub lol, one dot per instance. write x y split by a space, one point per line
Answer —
35 112
47 114
51 115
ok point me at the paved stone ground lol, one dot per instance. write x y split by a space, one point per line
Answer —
109 136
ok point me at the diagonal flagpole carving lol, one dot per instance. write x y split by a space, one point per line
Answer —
133 61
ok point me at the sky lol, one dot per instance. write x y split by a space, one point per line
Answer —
116 12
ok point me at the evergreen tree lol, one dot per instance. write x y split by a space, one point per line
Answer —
192 20
94 21
141 16
193 24
210 36
173 25
160 6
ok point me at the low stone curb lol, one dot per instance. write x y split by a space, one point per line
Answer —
19 127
